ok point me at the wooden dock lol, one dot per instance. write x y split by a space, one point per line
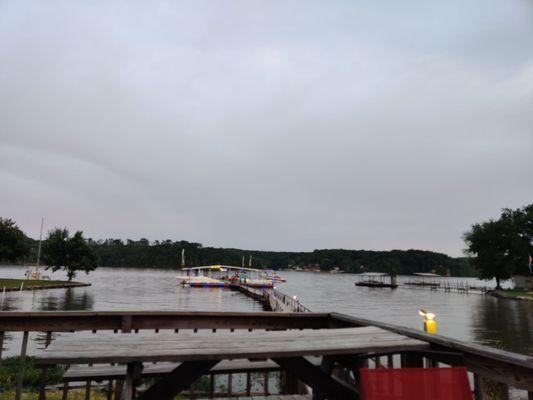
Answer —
272 299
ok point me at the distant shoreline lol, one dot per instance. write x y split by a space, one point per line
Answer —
14 285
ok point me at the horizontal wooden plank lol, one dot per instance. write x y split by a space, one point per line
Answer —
78 373
171 347
11 321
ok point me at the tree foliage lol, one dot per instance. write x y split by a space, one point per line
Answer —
167 254
61 251
13 243
501 248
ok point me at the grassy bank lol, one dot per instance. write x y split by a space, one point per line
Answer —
77 394
29 284
513 294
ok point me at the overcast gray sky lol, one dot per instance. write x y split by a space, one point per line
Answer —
281 125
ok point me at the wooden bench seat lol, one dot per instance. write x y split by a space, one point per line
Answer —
273 397
82 373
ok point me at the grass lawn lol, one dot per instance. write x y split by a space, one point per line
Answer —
77 394
29 283
518 293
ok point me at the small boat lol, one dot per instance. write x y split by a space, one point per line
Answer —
225 275
424 279
376 280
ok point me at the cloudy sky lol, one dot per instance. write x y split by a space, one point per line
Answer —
281 125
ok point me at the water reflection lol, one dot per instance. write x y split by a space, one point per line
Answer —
505 324
483 319
70 300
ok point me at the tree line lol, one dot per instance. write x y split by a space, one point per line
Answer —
167 254
496 249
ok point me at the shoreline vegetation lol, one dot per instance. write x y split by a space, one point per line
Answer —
13 285
511 294
167 254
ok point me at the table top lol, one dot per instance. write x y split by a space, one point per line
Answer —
71 348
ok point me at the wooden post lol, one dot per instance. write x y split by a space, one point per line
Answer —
118 389
266 384
65 391
42 384
20 376
44 372
110 390
390 361
478 387
133 372
2 334
248 383
88 390
503 391
211 386
230 383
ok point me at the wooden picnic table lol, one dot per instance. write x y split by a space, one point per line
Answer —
198 353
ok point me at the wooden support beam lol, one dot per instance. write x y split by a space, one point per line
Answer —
133 374
316 378
2 335
110 390
65 391
88 390
478 387
177 380
22 361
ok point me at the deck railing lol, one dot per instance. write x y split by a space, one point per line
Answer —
485 364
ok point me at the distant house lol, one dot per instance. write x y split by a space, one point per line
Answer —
523 282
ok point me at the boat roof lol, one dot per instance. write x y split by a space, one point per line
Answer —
426 274
374 274
220 267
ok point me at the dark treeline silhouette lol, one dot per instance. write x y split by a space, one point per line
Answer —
167 254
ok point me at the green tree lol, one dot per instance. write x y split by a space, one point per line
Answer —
60 251
13 243
501 247
489 242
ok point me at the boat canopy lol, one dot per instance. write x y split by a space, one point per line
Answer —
222 268
427 274
374 274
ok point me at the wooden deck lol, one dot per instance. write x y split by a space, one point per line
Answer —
125 348
496 369
200 354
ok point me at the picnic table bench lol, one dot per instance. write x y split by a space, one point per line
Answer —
198 354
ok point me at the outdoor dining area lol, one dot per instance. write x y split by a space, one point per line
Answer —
159 355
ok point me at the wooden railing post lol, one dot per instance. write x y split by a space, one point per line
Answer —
478 387
20 377
2 335
503 391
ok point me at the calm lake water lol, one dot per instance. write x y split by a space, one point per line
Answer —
477 318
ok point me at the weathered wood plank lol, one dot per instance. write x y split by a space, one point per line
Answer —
78 373
22 361
317 378
113 320
127 348
177 380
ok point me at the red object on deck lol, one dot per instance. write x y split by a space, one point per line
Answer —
415 384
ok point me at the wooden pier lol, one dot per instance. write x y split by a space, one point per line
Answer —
272 299
308 350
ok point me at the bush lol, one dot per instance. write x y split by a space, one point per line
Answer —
32 375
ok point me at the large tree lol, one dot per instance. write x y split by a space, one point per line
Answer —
501 248
13 243
61 251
